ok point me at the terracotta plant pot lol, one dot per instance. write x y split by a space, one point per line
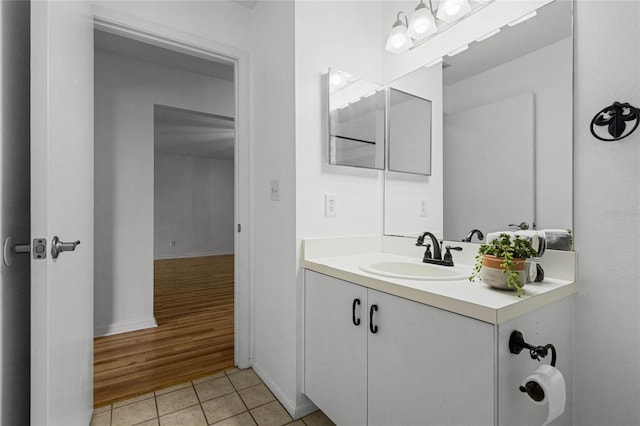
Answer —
493 275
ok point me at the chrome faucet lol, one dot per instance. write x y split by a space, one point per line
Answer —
471 233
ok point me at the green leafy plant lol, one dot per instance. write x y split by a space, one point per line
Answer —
508 250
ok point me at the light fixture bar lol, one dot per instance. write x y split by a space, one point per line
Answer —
458 50
491 34
434 62
522 19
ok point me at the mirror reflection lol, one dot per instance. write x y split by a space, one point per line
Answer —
507 138
356 121
409 130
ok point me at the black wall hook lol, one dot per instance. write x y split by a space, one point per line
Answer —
517 344
615 117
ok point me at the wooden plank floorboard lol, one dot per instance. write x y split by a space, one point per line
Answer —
193 305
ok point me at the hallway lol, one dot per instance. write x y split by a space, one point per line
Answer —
193 305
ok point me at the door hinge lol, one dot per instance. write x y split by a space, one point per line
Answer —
239 228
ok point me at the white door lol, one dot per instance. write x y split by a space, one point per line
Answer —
428 366
62 205
335 348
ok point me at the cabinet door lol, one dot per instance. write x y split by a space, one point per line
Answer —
428 366
335 348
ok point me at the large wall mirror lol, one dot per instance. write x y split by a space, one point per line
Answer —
507 114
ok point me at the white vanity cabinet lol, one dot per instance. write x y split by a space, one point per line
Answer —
412 364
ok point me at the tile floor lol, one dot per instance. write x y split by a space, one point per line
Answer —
235 397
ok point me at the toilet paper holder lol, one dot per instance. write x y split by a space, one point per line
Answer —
517 344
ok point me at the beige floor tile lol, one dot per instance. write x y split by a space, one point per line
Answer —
233 371
271 414
133 400
152 422
296 423
213 389
173 388
135 413
102 409
243 419
176 400
191 416
211 377
317 418
256 395
244 379
101 419
223 407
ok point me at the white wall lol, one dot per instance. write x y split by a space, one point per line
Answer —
352 44
273 245
14 212
607 212
193 206
549 75
125 93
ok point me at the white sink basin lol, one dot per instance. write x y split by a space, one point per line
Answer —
416 270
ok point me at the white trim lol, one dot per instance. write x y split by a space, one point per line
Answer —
188 255
149 32
295 410
124 327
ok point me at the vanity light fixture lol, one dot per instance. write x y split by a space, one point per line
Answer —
452 10
398 40
522 19
422 23
426 21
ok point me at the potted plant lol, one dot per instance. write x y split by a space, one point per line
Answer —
501 263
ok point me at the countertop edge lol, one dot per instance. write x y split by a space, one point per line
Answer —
469 309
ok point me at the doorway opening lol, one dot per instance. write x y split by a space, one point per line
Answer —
166 204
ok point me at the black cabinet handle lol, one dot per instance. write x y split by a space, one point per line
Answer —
356 321
373 328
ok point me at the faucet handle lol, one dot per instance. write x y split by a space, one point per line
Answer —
427 252
447 255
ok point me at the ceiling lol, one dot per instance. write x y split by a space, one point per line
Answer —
193 134
177 131
552 24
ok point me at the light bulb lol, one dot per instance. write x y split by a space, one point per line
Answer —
422 23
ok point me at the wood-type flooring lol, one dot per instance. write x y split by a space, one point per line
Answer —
193 305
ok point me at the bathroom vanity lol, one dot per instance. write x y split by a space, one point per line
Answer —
384 349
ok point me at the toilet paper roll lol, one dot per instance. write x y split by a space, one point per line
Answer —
546 386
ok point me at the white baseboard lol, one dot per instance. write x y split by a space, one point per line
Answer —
185 255
123 327
295 411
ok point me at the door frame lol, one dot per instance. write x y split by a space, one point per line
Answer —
144 31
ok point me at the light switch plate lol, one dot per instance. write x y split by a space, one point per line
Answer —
275 189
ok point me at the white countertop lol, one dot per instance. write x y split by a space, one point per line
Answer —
473 299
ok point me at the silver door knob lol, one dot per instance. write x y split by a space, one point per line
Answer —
58 246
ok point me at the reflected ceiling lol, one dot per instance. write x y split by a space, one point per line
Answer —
552 24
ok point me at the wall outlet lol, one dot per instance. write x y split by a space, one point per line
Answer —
329 205
172 243
275 189
422 208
